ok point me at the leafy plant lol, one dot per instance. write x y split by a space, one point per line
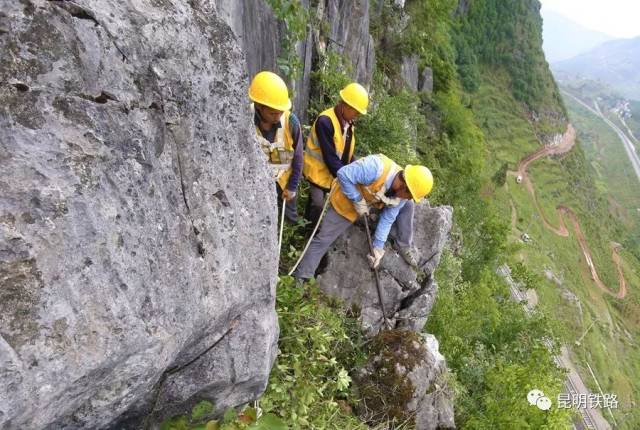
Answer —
310 385
295 18
247 419
330 76
391 125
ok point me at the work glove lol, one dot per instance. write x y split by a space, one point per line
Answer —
288 195
374 260
361 207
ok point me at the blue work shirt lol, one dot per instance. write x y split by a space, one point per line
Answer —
365 171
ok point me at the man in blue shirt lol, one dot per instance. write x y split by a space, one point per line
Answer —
372 181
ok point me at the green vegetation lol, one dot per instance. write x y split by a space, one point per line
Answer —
610 168
327 80
613 174
391 126
578 180
200 419
295 18
320 346
508 36
496 352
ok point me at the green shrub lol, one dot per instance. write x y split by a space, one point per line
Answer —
496 352
319 347
525 276
295 18
390 127
327 80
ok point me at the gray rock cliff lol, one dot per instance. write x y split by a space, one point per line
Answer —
137 217
405 378
345 31
349 36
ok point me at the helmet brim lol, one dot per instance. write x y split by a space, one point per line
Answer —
280 107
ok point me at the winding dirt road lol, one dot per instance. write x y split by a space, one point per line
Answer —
567 143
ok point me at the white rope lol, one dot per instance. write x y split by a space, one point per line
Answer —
256 406
284 202
324 209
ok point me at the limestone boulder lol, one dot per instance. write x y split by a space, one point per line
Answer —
137 217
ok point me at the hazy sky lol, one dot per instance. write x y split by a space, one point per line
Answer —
618 18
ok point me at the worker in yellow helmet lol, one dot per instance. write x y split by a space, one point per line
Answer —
280 136
331 145
372 181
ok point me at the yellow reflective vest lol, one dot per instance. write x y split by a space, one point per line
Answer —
279 152
344 206
315 170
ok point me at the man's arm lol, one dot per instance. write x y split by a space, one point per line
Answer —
296 163
324 131
364 172
387 218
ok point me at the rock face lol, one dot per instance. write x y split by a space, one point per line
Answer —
348 35
260 35
426 81
257 30
409 72
407 295
406 377
133 201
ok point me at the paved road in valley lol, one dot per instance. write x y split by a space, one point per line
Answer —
628 145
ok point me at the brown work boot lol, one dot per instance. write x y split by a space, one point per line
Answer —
409 255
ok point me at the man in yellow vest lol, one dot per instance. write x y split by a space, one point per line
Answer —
372 181
280 136
331 145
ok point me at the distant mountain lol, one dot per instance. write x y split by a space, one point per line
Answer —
564 39
616 63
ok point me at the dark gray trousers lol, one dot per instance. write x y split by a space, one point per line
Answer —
334 224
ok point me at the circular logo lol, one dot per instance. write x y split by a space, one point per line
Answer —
544 403
534 395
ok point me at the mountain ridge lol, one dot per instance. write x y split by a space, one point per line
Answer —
615 63
564 38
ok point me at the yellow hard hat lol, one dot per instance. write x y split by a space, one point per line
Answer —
269 89
355 96
419 181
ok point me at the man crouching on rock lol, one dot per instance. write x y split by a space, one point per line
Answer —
372 181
